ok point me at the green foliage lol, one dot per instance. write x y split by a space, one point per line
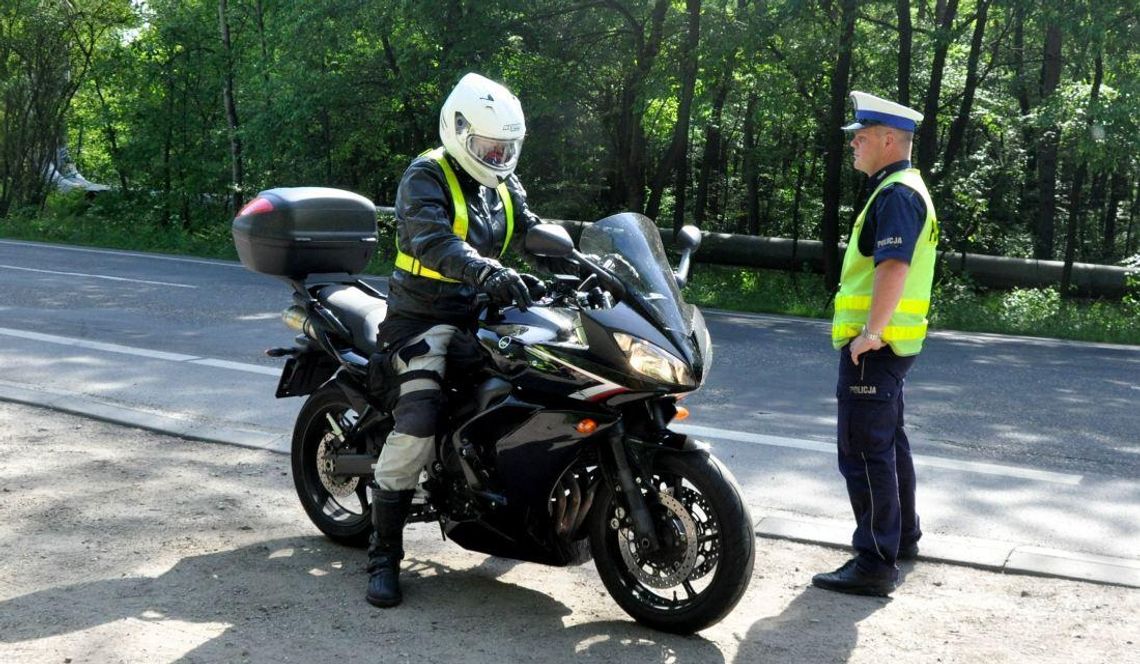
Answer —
1042 312
345 92
768 291
122 221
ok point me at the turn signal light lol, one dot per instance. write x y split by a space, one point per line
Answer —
587 426
682 413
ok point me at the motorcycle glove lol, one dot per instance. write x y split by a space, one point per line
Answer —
504 285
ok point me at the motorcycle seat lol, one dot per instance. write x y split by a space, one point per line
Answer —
360 312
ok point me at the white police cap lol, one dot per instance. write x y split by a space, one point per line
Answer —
871 110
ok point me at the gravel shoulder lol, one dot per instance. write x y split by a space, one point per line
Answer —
122 545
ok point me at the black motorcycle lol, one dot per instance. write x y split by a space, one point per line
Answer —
559 446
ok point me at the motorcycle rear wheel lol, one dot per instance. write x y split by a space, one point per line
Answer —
707 553
339 507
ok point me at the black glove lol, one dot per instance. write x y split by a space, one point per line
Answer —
504 285
534 286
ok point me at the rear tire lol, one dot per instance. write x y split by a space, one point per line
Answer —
707 556
339 507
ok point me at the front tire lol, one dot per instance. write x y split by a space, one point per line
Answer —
340 507
707 548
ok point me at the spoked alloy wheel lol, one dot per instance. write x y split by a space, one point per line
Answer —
339 506
704 562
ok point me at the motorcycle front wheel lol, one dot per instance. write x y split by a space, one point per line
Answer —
704 562
339 506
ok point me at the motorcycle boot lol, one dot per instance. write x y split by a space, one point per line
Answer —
386 548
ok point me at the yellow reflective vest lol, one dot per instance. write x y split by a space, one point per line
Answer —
409 263
907 327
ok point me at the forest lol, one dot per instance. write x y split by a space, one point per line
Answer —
722 113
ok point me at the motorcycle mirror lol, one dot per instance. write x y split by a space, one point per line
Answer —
689 238
548 240
687 241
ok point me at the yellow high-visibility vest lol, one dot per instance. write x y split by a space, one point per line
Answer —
409 263
907 327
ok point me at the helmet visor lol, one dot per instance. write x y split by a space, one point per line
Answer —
495 153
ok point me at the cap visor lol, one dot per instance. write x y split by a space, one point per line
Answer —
854 126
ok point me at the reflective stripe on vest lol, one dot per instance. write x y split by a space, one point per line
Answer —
409 263
907 327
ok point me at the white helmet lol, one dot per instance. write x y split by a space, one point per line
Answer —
482 126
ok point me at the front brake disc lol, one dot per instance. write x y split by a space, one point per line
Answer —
658 574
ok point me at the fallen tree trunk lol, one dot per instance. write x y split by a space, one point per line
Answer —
1001 272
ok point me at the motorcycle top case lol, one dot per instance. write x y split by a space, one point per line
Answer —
298 231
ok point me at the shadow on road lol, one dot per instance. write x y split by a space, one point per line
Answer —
301 600
817 626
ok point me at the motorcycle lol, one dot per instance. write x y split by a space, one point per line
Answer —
559 447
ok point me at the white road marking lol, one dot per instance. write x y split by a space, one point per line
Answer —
710 432
98 345
132 254
98 276
919 460
238 366
141 352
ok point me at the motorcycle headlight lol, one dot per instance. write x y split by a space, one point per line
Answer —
653 361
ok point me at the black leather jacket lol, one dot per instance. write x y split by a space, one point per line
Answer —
424 217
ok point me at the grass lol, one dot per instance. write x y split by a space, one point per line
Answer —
113 222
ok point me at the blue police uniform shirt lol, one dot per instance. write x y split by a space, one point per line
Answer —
892 225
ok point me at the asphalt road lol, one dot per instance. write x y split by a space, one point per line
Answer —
1024 440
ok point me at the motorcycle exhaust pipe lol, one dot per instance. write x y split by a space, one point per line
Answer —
296 318
568 513
584 511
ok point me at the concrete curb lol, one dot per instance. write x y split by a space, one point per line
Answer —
991 555
174 424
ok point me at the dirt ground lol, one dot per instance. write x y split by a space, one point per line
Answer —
121 545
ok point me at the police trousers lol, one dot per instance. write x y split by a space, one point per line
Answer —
874 455
419 364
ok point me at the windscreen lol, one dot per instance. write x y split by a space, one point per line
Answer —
629 246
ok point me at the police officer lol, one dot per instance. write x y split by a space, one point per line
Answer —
878 328
457 209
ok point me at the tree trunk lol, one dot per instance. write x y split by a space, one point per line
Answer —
231 108
628 182
1133 212
1074 227
168 143
958 128
1096 206
1021 90
112 138
712 151
906 36
1047 150
750 176
409 106
1116 194
676 161
833 147
796 202
928 129
1075 213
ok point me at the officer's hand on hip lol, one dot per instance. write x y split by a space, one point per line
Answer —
863 343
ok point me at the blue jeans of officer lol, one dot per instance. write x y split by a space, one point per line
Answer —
874 456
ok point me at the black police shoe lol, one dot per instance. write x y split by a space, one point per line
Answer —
852 580
908 551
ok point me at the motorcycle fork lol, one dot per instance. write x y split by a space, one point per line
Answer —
629 487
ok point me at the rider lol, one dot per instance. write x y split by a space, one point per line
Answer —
457 208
